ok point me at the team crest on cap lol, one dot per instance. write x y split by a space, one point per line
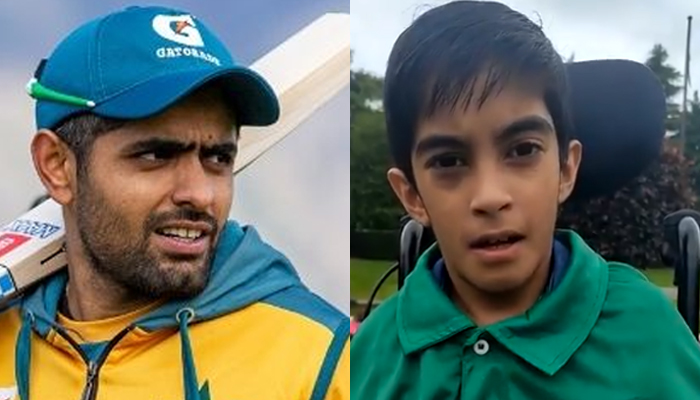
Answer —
180 29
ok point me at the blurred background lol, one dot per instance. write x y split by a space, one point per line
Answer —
297 195
653 32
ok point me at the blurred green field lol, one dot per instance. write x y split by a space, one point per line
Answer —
662 277
363 276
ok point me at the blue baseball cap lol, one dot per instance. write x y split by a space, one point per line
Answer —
139 61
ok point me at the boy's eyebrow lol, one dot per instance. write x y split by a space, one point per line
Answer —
441 141
530 123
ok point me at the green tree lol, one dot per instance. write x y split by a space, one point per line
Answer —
626 225
670 80
692 128
692 140
373 204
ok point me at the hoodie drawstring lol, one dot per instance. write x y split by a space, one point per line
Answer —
23 356
184 317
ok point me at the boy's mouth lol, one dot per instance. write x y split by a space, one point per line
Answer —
496 240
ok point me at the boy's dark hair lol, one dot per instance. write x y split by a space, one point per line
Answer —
434 65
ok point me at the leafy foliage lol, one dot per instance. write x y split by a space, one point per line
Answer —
669 77
626 226
373 204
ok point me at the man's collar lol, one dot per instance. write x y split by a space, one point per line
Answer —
546 337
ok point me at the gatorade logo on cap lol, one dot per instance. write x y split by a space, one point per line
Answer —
180 29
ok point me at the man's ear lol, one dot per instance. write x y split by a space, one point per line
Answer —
55 165
569 170
408 195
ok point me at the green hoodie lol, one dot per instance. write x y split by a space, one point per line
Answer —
604 333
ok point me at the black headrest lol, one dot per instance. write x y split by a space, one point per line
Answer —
619 109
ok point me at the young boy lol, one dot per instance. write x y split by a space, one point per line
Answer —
504 307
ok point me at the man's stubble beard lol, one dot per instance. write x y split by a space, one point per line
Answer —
122 256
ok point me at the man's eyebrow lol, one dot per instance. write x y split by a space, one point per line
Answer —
228 147
441 141
160 144
178 147
530 123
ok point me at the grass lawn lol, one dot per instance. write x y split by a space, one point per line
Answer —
364 274
660 276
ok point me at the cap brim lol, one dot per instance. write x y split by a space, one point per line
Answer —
253 99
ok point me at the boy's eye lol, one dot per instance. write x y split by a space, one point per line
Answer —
447 161
524 149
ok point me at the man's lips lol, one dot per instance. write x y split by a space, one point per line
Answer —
182 247
184 238
175 227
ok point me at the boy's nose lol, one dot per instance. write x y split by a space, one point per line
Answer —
490 195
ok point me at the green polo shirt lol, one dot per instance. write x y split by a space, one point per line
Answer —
604 333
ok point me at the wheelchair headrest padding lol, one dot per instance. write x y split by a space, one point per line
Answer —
619 111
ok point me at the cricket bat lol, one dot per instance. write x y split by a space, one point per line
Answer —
306 71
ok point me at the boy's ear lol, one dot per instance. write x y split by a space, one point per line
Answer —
408 195
569 170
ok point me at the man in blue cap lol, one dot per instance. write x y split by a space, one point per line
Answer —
138 116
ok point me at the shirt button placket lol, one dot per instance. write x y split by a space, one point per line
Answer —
488 374
481 347
474 351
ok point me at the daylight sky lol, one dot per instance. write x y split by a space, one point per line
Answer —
591 29
297 195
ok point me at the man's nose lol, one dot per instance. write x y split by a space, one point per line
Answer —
490 192
193 186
